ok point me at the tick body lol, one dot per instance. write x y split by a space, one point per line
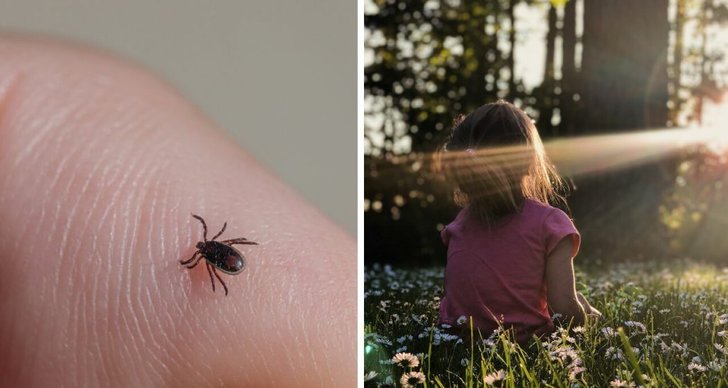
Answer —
218 255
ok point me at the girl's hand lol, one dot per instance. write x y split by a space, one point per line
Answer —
588 308
594 312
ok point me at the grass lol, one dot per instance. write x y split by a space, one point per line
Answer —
664 325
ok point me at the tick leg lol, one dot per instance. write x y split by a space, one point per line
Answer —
204 225
221 282
211 279
195 263
220 232
239 241
190 259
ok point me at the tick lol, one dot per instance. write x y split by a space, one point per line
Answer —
218 255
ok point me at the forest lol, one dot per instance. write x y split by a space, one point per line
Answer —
607 69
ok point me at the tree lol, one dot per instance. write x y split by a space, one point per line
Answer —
624 66
433 60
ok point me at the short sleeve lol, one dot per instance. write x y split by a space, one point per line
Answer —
445 235
557 226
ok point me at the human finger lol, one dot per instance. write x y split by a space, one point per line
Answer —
101 165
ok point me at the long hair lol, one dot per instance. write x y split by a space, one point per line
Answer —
495 159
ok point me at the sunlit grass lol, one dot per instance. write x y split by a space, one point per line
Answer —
664 324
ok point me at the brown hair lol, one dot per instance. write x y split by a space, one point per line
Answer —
495 159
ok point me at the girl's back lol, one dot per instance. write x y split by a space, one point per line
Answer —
496 274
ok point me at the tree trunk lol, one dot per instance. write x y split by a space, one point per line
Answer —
677 62
568 71
511 56
705 65
624 87
547 86
625 64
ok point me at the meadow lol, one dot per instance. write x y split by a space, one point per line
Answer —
664 324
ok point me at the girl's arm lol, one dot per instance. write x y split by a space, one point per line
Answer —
560 283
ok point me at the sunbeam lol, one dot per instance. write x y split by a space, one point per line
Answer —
595 154
578 156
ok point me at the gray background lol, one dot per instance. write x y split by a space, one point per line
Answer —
279 75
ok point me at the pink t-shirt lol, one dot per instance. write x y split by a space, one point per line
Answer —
498 274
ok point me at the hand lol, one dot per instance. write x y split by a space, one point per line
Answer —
101 165
588 308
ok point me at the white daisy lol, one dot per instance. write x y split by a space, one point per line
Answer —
723 319
493 377
575 371
406 360
720 348
370 376
696 367
621 384
412 379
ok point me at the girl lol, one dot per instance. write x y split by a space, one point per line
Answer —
510 253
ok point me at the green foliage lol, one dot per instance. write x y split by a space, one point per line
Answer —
664 324
694 209
430 61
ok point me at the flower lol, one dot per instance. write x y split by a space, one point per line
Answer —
406 360
723 319
489 343
720 348
370 376
575 371
716 365
404 338
508 345
493 377
562 352
614 353
638 325
696 367
620 383
412 379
